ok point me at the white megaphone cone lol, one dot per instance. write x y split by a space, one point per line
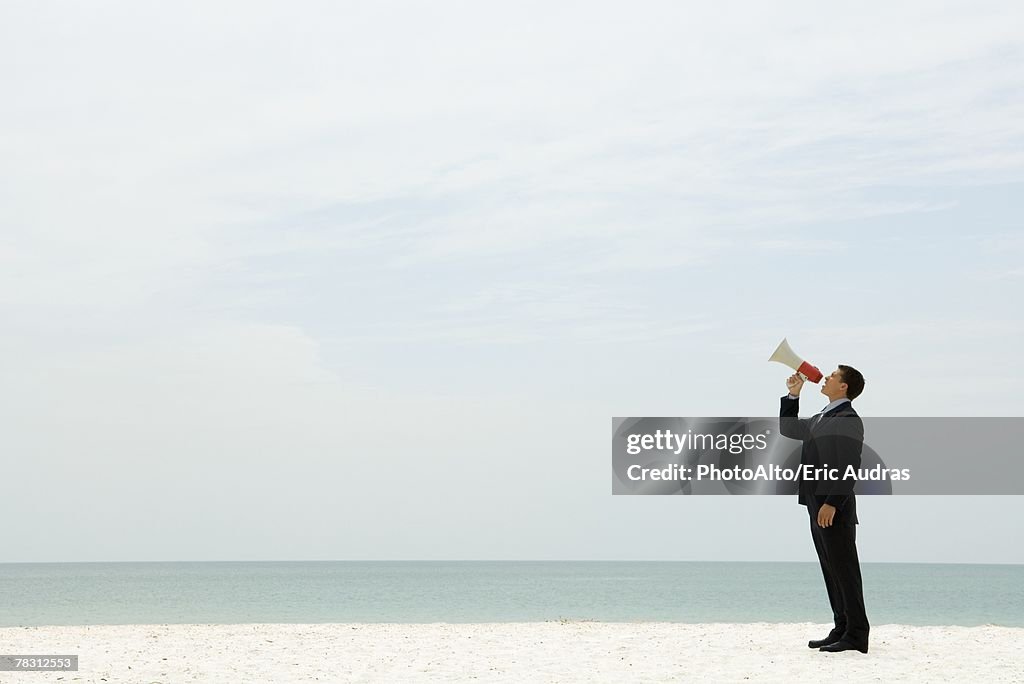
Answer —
787 357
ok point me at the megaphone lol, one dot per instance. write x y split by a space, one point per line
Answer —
787 357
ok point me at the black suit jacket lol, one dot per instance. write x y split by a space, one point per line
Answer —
836 440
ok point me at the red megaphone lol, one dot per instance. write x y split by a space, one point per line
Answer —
787 357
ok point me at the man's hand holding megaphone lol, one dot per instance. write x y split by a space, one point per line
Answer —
795 383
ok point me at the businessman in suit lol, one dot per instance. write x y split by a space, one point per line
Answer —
832 439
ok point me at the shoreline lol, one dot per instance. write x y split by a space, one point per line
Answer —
551 651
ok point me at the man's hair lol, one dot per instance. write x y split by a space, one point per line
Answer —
854 381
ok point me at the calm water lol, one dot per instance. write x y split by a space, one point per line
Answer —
418 591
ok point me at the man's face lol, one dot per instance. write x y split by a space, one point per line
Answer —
834 387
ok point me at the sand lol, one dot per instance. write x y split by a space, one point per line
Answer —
514 652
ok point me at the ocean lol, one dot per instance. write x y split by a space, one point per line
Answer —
34 594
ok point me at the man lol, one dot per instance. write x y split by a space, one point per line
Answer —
832 441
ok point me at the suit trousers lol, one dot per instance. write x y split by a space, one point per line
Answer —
837 553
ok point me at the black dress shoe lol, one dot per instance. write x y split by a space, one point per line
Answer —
818 643
842 645
833 636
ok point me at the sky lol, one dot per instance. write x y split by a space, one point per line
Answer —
321 280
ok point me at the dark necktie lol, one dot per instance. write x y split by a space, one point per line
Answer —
817 418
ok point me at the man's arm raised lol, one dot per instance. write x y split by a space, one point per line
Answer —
790 425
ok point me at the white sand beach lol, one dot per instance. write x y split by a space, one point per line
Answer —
514 652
